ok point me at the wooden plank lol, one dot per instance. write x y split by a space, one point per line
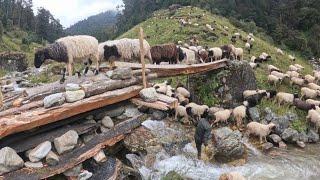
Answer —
172 102
78 155
176 69
142 54
41 116
155 105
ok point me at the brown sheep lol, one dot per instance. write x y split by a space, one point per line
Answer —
166 53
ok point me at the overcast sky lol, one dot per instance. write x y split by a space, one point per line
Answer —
71 11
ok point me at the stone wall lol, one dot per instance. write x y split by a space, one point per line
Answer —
13 61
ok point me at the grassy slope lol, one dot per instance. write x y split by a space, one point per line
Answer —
165 30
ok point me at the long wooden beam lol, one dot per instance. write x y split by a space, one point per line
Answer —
41 116
175 69
78 155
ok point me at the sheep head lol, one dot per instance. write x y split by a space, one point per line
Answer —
39 58
271 126
110 51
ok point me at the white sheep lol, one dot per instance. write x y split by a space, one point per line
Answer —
197 110
316 74
299 66
237 34
183 91
248 47
194 48
297 81
294 68
190 56
309 78
238 53
293 74
69 50
181 112
279 51
239 113
213 110
222 116
309 93
215 53
292 58
314 117
273 68
182 99
273 79
312 101
162 89
253 58
253 65
313 86
279 75
170 91
248 93
261 130
126 49
283 97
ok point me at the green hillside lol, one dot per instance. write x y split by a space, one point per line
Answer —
163 27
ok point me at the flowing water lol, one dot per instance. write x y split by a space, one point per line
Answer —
291 164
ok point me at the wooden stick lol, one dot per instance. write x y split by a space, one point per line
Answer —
142 54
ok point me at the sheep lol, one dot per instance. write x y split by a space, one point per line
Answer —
316 74
228 51
181 99
254 65
251 35
292 58
193 48
213 110
312 101
279 75
273 79
162 89
222 116
234 39
309 78
248 47
239 113
253 100
239 53
309 93
279 51
261 130
69 50
314 117
189 56
297 81
181 112
209 27
313 86
1 98
183 91
283 97
299 66
303 105
215 54
231 176
237 34
204 55
170 91
292 74
253 58
294 68
166 53
273 68
199 48
248 93
126 49
196 110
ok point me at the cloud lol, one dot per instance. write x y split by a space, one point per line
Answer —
71 11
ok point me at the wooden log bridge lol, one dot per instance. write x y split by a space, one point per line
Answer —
175 69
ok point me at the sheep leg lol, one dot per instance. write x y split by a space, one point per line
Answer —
62 80
260 139
70 71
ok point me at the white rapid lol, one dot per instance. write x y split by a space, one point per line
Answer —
292 164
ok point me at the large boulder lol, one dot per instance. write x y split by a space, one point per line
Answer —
13 61
313 137
40 151
54 100
254 114
149 94
9 160
139 140
228 144
122 73
66 142
274 138
74 96
290 135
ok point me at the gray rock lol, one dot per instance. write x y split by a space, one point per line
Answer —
52 159
282 145
275 138
149 95
54 100
40 151
301 144
281 123
100 157
254 114
109 73
35 165
90 117
267 146
74 96
90 121
228 144
75 171
135 160
303 137
290 135
158 115
313 137
107 122
9 160
87 137
84 175
122 73
131 111
111 113
72 87
104 129
66 142
269 115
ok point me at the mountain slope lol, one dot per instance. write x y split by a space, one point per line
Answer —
163 27
96 25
